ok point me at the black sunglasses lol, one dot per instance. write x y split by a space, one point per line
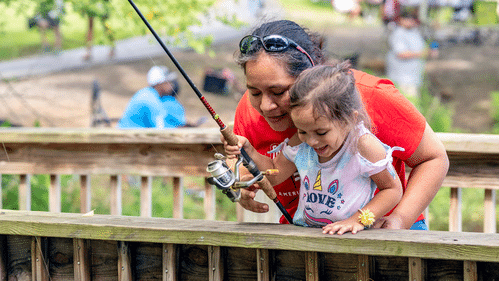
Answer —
270 43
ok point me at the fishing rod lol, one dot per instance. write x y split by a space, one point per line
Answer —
223 177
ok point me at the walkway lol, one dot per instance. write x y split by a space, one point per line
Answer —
129 49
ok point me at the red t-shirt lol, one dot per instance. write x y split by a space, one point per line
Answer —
394 120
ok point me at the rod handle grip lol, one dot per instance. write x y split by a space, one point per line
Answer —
229 136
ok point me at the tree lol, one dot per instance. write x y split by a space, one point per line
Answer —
170 19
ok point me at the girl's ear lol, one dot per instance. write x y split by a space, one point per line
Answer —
355 114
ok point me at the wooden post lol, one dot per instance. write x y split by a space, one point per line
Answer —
215 264
39 262
85 194
489 205
455 216
115 195
124 262
3 258
1 196
146 196
55 194
311 266
470 271
178 198
209 200
25 192
427 216
169 262
363 268
416 269
263 264
81 260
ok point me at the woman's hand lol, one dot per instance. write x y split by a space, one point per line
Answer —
233 150
247 200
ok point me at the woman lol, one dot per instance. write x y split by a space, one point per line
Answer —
272 58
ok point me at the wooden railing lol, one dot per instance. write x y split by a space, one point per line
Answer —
49 246
179 153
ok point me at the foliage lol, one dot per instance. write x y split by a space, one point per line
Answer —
494 111
162 196
172 20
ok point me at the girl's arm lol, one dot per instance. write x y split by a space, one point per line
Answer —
285 167
390 189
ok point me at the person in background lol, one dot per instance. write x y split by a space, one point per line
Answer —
272 57
48 16
407 53
340 162
155 106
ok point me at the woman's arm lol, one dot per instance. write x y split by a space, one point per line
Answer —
429 165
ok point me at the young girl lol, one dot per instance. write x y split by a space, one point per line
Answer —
339 160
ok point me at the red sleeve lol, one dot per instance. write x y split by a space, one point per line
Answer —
394 119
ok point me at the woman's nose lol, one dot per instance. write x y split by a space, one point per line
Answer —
267 103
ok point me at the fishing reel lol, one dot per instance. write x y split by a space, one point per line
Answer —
227 180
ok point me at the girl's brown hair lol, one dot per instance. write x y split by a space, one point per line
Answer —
332 93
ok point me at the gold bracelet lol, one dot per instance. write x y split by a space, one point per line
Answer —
366 217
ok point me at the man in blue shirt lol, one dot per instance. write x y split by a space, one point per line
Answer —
155 106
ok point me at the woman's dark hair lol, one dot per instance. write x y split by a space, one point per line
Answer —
294 60
332 93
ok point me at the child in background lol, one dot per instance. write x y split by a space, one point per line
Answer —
339 160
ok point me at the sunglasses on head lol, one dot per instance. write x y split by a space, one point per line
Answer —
270 43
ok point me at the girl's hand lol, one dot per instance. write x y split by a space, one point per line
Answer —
349 225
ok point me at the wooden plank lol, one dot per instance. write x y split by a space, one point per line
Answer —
146 196
263 264
115 187
25 192
193 262
479 143
311 266
124 262
169 262
379 242
55 194
455 210
104 259
209 200
117 158
489 205
241 264
390 268
470 271
60 258
111 135
81 259
336 266
39 261
437 269
147 261
363 268
287 265
215 264
19 257
178 198
416 269
3 258
85 194
1 196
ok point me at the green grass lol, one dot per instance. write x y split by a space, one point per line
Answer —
162 196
